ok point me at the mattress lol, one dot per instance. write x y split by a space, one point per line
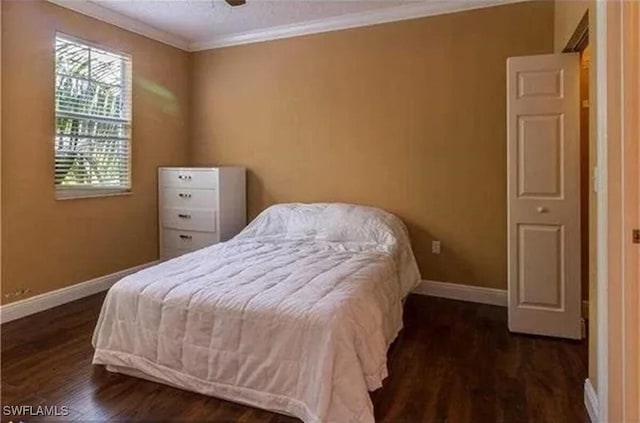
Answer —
294 315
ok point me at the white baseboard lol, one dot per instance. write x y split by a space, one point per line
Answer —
454 291
38 303
473 294
591 401
41 302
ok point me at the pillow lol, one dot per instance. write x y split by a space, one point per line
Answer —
358 227
303 219
285 221
271 222
352 223
335 222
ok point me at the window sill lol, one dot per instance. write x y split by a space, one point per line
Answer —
75 194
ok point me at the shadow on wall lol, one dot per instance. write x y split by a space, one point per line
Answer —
257 191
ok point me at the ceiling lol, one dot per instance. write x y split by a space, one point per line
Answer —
202 24
204 20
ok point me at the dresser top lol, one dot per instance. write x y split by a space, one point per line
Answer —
199 167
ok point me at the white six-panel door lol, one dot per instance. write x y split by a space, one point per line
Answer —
543 153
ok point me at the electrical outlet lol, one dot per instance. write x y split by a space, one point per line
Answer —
436 247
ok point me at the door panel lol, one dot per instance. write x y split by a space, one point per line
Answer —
543 83
544 194
541 280
539 156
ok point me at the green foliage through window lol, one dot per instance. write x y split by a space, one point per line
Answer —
93 116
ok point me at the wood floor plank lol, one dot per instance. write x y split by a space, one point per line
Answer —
453 362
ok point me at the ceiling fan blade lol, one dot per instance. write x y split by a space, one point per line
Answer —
235 3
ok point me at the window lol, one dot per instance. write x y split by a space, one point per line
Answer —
93 120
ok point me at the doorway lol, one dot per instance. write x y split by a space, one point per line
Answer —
579 43
532 301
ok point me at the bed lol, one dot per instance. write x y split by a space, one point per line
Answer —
294 315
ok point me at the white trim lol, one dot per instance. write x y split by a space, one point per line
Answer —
352 20
591 401
454 291
38 303
64 195
602 212
474 294
103 14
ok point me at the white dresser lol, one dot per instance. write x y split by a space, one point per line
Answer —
199 206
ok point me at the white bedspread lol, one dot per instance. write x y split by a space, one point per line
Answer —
294 315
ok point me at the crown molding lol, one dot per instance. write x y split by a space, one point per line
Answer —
103 14
353 20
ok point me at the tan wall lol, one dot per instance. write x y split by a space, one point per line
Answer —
408 116
567 16
49 244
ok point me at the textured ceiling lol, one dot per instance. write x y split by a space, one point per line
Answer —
206 20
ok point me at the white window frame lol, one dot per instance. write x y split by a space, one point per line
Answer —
69 192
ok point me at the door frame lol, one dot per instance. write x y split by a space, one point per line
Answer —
600 59
618 285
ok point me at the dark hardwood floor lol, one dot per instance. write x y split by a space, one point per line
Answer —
453 362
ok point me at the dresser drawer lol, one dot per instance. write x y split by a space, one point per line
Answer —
190 198
189 219
187 240
189 178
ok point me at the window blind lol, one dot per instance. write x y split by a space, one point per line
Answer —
93 117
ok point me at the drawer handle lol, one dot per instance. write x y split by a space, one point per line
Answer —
184 177
187 237
184 216
183 195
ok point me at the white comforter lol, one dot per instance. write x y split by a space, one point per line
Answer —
294 315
